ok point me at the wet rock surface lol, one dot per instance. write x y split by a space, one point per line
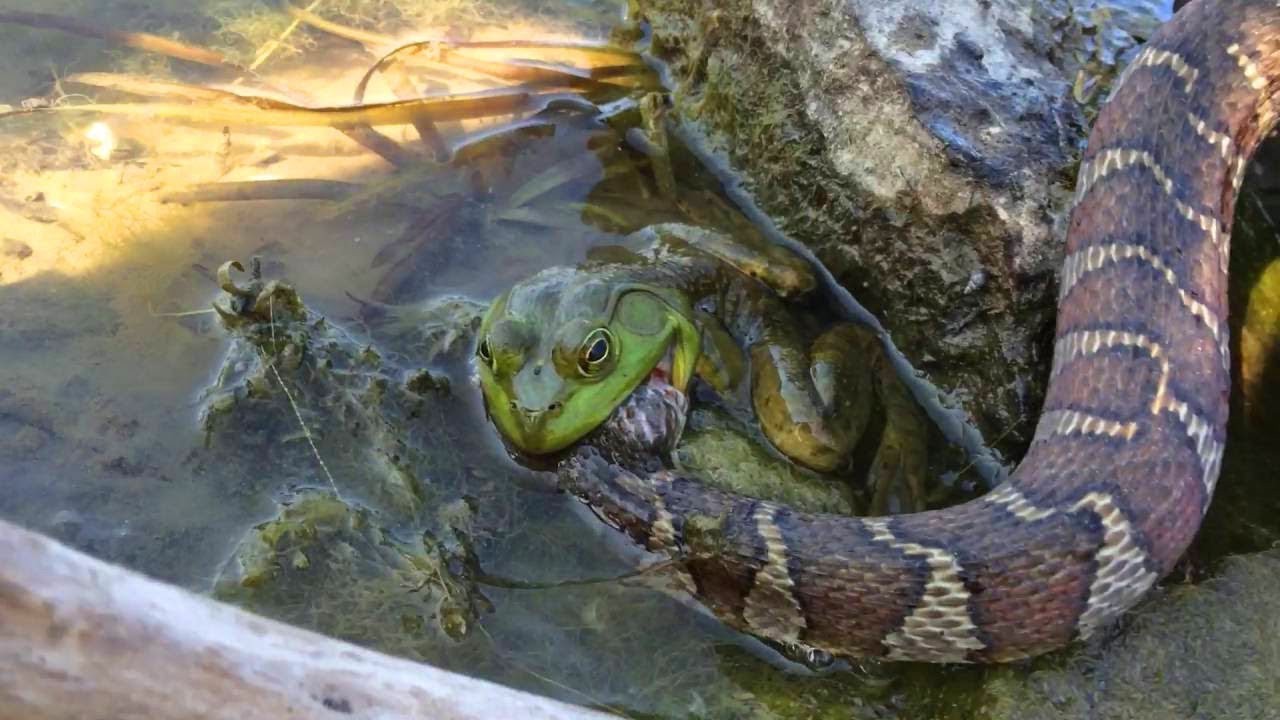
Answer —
1206 651
924 151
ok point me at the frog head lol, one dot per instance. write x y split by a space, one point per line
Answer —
559 352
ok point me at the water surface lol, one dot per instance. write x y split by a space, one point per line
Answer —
103 373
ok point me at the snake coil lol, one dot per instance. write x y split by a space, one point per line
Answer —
1127 450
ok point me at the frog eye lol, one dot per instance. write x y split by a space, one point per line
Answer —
595 351
484 353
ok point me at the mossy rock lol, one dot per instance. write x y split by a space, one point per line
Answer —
722 456
1207 651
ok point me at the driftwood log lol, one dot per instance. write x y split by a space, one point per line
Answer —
82 639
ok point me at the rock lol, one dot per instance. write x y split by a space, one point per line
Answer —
913 146
1206 651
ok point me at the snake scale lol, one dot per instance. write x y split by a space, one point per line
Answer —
1124 459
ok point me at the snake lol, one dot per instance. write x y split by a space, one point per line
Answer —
1127 449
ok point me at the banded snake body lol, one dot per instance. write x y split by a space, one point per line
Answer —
1124 459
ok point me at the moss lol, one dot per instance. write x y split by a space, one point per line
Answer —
728 460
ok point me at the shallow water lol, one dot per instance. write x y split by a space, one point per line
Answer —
102 378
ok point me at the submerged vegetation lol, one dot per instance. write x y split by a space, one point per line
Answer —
502 87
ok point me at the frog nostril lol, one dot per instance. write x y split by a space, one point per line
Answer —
535 413
513 405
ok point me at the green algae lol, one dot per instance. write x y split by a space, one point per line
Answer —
727 459
247 30
327 563
294 382
364 537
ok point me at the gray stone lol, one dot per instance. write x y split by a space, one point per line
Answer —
913 146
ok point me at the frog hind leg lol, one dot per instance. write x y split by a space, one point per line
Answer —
777 267
720 363
898 470
813 406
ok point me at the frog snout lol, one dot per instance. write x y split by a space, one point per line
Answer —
534 414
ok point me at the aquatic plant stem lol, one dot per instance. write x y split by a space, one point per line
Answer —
306 432
270 48
548 680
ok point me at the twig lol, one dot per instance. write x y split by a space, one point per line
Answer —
404 90
259 111
85 639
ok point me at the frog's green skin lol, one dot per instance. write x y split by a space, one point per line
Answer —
561 350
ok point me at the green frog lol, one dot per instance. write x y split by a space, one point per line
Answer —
560 351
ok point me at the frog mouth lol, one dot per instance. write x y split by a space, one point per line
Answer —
661 373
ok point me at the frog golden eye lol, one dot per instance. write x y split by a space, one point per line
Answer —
595 351
484 353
